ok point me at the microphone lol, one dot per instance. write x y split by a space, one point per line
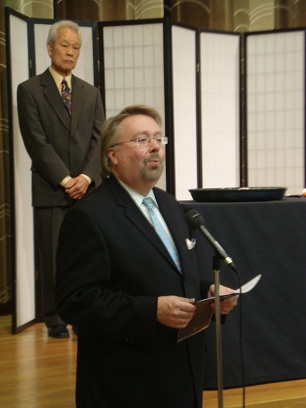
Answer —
196 221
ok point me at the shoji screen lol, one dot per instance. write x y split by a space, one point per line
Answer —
23 262
220 90
184 111
134 68
134 72
276 110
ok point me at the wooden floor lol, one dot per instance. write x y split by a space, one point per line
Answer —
39 372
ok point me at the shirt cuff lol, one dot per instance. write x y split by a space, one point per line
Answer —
87 178
65 180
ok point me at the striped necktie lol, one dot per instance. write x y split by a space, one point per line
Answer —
66 95
160 230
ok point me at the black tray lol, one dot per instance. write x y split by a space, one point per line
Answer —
238 194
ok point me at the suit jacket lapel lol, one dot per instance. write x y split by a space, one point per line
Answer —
134 214
177 228
52 94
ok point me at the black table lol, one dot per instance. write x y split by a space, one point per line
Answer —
267 238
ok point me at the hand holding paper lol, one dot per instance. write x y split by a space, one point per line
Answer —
202 317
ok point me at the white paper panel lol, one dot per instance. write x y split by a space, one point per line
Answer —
219 54
276 110
24 240
85 65
134 69
184 110
42 59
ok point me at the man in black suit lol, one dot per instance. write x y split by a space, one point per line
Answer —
64 143
117 281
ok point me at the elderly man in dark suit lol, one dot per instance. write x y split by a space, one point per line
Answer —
119 283
60 119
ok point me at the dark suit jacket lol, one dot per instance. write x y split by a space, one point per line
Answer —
59 144
111 267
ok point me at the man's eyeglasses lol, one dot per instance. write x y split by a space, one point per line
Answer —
143 141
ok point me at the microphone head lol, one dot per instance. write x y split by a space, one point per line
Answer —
194 219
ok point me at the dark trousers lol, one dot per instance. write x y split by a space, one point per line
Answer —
48 221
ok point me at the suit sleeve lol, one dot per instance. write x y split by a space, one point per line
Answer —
92 167
83 285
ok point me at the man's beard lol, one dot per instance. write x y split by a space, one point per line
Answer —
154 173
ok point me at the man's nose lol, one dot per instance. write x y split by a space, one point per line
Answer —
70 50
154 145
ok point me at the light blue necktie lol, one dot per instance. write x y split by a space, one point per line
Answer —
159 228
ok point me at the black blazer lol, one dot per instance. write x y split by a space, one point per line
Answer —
111 267
59 144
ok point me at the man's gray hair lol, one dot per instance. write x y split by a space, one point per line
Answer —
53 32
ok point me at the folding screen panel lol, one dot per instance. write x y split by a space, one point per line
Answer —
27 43
133 61
136 71
220 109
23 262
276 110
184 111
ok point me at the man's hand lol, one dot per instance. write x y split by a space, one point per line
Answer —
174 311
76 187
227 304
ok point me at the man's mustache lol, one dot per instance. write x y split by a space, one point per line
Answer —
152 157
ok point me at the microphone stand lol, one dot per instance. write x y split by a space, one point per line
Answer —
216 270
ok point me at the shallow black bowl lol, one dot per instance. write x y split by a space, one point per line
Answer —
238 194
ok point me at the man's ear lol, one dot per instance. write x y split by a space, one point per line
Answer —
49 49
111 153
